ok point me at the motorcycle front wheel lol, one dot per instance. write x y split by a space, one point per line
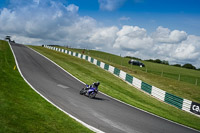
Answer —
82 91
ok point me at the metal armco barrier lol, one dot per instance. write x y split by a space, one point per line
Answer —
184 104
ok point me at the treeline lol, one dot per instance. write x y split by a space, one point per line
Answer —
135 58
187 65
158 61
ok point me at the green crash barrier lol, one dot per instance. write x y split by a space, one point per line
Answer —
129 78
76 54
106 66
81 56
92 60
174 100
86 57
67 51
72 53
116 71
98 63
146 87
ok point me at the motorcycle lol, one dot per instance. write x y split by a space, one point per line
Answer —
89 91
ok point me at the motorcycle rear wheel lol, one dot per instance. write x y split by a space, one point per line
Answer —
92 95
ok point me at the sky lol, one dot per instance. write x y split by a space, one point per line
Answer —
147 29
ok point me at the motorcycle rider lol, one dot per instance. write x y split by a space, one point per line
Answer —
94 85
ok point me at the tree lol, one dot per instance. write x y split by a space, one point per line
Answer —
158 61
177 65
165 62
189 66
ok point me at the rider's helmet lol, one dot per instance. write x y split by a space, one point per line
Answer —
97 83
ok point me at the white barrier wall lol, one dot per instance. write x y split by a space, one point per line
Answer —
122 75
158 93
186 105
102 65
111 69
137 83
95 61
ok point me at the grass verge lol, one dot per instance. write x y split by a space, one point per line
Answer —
117 88
22 109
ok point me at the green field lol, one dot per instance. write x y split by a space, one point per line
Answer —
117 88
22 109
162 76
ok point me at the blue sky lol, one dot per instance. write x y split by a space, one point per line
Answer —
164 29
174 14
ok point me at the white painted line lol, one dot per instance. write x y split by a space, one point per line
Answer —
62 86
83 123
122 101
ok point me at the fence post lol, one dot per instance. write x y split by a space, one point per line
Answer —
196 82
179 77
162 73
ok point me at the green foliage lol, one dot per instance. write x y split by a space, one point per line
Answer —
189 66
159 61
130 57
22 110
177 65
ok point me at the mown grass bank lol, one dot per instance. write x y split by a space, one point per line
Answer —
22 109
162 76
117 88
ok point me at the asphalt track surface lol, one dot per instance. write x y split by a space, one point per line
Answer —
103 113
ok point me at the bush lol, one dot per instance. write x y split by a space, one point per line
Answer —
177 65
130 57
189 66
158 61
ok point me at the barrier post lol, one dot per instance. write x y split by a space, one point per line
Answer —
196 82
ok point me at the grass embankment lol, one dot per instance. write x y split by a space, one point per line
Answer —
22 109
117 88
162 76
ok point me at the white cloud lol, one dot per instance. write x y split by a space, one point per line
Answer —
189 49
164 35
50 22
36 1
72 8
132 38
124 18
104 36
110 5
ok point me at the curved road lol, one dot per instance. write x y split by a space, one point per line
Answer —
104 113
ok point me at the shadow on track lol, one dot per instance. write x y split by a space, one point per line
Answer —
100 99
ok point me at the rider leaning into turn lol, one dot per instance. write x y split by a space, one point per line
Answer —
94 85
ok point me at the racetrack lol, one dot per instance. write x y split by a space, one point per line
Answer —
103 112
